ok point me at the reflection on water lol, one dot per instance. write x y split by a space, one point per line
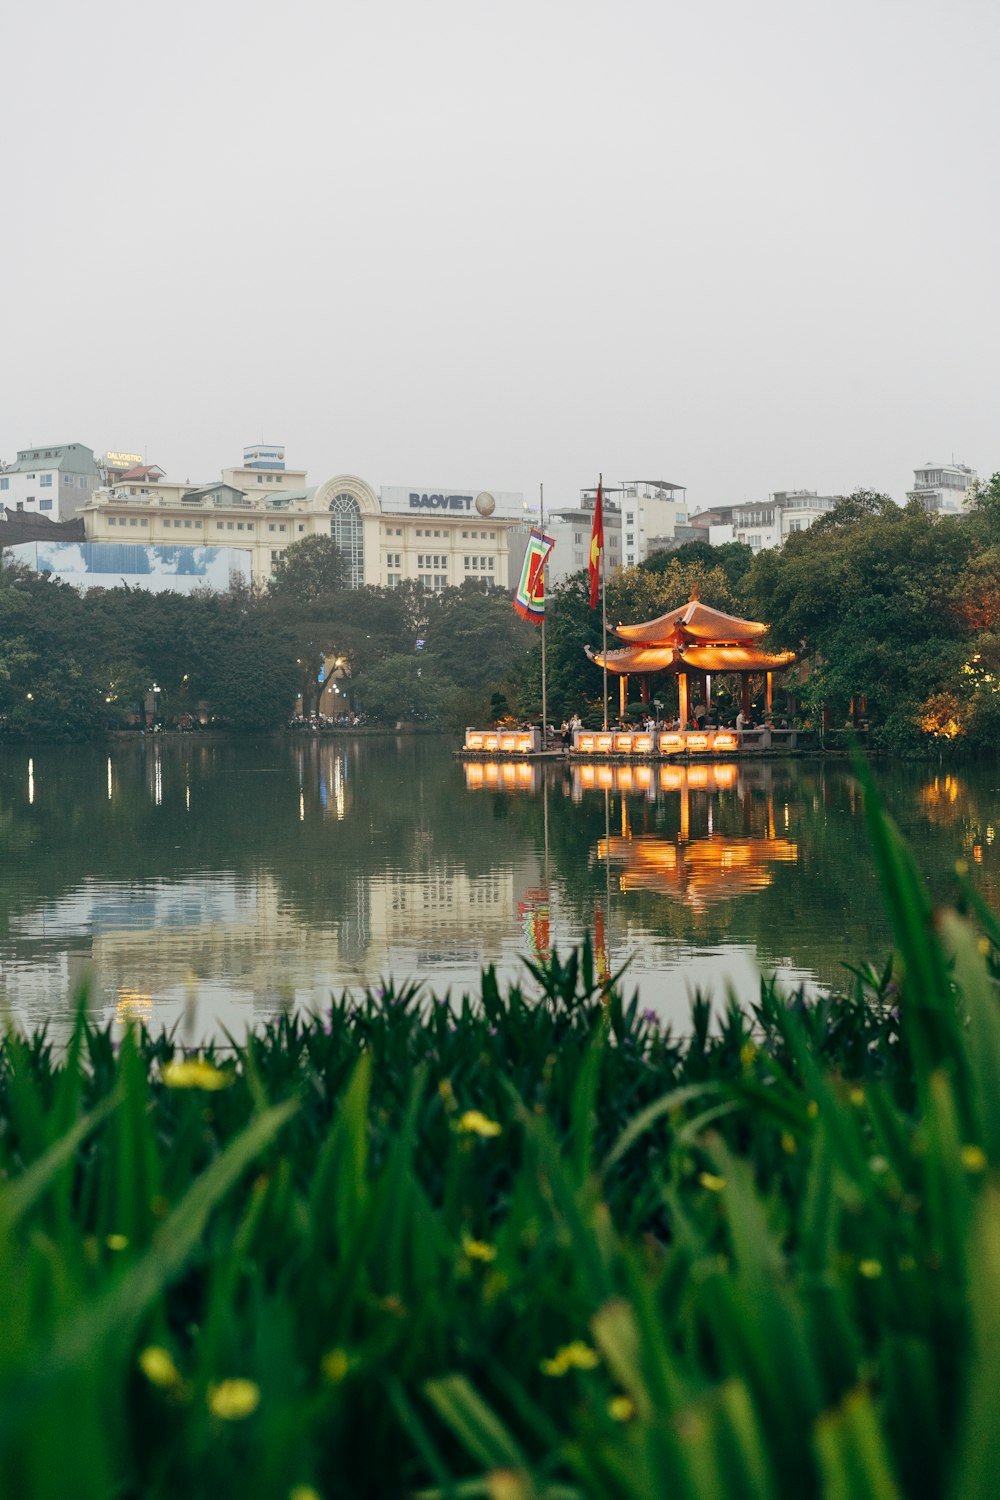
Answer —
511 775
227 881
705 870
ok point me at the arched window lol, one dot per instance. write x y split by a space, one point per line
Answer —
347 530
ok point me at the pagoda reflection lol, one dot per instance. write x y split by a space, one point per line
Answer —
700 872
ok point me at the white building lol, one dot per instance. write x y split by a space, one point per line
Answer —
56 481
651 509
943 488
438 537
571 530
768 523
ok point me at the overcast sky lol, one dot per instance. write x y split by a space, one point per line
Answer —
744 247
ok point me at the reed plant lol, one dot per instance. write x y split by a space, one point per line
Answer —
526 1244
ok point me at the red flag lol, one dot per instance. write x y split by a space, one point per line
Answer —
596 548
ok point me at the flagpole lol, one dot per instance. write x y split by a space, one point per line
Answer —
545 710
604 608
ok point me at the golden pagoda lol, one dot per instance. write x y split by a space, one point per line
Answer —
693 639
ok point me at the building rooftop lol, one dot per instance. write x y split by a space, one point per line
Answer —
75 458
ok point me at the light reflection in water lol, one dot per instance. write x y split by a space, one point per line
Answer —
31 781
410 876
519 776
111 783
700 872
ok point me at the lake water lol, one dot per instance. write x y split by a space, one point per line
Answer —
214 883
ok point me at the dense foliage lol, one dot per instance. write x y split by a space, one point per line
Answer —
75 664
890 609
524 1246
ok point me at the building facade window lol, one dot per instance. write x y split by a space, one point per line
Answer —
45 480
45 503
347 530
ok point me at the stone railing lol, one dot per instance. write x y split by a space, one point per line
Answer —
668 742
503 741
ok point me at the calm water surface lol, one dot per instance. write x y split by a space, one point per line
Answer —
214 883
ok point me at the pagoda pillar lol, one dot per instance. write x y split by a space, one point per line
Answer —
682 698
622 694
708 693
770 690
644 687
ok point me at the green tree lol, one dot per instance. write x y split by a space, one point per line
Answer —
475 638
405 689
871 605
734 558
310 571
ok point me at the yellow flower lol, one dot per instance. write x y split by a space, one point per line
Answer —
747 1053
159 1369
479 1250
574 1356
710 1181
857 1098
871 1269
117 1241
232 1400
195 1073
974 1159
303 1492
812 1109
335 1366
788 1143
621 1409
475 1123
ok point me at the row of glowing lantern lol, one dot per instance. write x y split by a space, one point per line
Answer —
605 742
508 741
667 742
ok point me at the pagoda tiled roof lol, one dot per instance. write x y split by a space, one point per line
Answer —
692 622
737 658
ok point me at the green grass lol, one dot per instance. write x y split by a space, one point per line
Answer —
529 1246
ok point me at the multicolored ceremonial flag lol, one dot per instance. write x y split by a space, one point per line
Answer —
529 601
596 548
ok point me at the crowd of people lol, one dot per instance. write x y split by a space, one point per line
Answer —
698 720
315 722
